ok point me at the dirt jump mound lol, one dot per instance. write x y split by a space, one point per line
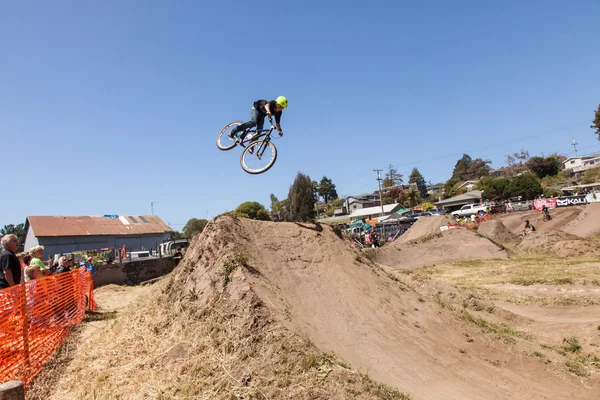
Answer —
496 231
426 226
587 223
560 244
264 310
453 245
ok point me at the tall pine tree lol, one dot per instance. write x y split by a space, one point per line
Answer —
416 178
392 177
327 189
301 199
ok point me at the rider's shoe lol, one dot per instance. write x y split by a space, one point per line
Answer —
231 135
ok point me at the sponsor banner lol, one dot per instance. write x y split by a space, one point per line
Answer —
539 203
446 227
571 201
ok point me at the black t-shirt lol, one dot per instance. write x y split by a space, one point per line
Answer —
9 261
177 256
259 105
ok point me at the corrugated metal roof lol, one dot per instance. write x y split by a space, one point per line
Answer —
44 226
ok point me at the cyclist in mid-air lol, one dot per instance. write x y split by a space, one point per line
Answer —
260 110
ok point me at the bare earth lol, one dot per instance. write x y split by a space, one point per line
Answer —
284 290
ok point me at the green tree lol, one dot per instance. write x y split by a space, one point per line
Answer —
515 163
193 227
479 168
526 185
177 235
392 177
542 167
276 206
301 199
416 178
327 190
596 122
252 210
466 169
315 189
18 230
461 168
552 192
591 175
493 188
413 197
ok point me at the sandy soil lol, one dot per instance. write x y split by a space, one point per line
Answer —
270 280
452 245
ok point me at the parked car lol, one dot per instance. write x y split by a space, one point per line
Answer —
437 211
521 206
468 210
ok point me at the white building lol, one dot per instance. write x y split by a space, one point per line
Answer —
581 163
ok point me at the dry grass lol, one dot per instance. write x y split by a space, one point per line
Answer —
519 270
165 350
480 276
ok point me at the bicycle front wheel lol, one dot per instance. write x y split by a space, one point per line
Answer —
260 160
224 142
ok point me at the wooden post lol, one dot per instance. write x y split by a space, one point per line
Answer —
12 390
25 324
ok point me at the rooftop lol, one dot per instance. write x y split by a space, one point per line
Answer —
44 226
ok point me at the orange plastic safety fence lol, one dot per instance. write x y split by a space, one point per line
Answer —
36 316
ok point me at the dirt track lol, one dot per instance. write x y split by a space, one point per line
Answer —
302 280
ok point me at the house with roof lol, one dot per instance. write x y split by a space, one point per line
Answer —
466 186
581 163
67 234
376 211
453 203
353 203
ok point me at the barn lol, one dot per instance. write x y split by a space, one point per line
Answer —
67 234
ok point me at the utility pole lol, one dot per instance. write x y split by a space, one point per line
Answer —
379 183
152 206
380 198
574 144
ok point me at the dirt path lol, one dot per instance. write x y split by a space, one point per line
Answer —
113 301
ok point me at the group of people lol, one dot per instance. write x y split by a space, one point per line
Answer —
22 267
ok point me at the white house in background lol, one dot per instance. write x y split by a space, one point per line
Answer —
472 197
375 211
581 163
467 186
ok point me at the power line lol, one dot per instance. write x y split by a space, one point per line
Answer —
524 138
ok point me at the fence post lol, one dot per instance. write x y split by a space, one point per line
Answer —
25 324
12 390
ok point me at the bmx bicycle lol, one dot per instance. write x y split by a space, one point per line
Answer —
547 217
259 153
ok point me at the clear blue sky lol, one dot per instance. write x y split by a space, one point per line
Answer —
105 106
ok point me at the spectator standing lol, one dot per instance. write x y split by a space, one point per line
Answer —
178 255
10 267
37 253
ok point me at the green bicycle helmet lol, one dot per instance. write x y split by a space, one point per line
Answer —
282 101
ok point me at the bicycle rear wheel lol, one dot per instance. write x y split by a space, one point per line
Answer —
224 142
254 165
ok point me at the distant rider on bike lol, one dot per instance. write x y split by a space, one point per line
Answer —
546 212
260 110
527 228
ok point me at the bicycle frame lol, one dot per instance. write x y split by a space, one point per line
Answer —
257 134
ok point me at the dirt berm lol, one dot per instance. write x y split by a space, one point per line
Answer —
496 231
587 223
426 226
256 310
307 279
456 244
560 244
